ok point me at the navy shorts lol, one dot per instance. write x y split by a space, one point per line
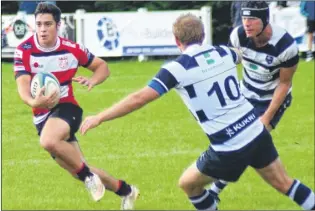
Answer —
261 107
70 113
229 166
310 26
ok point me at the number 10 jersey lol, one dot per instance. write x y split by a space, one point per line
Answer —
205 77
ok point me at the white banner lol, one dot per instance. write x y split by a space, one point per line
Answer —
294 22
17 28
131 33
109 34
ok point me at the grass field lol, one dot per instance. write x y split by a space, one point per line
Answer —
149 148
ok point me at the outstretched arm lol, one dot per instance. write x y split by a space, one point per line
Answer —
127 105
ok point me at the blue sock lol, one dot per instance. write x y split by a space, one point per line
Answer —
205 201
302 195
218 186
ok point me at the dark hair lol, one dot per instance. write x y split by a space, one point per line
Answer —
46 7
254 4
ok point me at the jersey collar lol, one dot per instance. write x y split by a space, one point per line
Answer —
46 49
191 47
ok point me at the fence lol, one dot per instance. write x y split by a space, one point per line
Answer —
110 34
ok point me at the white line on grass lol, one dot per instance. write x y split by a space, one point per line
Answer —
151 154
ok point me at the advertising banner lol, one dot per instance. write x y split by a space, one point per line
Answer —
131 33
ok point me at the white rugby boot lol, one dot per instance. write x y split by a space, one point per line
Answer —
127 202
95 186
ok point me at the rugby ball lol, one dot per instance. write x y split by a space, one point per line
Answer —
46 79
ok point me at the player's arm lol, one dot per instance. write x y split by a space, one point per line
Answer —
127 105
290 59
234 46
286 75
23 80
100 71
23 85
40 101
159 85
237 55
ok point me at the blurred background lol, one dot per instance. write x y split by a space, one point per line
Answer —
139 28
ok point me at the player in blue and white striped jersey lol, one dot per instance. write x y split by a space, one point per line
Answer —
205 77
269 59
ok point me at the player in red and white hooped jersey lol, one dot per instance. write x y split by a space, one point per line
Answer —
62 60
45 51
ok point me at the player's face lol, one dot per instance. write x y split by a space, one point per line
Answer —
252 26
46 29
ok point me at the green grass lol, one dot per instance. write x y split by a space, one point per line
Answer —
149 148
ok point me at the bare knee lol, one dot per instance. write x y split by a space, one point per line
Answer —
185 185
48 144
188 186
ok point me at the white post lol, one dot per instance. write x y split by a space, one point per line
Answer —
206 17
79 17
142 57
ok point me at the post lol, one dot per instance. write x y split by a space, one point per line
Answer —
206 17
79 17
142 57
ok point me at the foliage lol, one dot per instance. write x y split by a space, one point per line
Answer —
220 18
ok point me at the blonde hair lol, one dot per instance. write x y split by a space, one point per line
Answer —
188 29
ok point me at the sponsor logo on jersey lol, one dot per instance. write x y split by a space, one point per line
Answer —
233 129
27 46
253 66
37 65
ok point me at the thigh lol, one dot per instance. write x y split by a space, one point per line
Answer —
227 166
55 129
71 114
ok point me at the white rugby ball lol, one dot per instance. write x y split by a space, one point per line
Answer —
46 79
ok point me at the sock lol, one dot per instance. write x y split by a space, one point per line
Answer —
205 201
309 54
123 188
302 195
83 172
218 186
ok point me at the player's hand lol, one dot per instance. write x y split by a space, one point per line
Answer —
266 122
42 101
89 123
84 81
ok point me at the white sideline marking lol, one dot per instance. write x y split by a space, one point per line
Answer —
153 154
